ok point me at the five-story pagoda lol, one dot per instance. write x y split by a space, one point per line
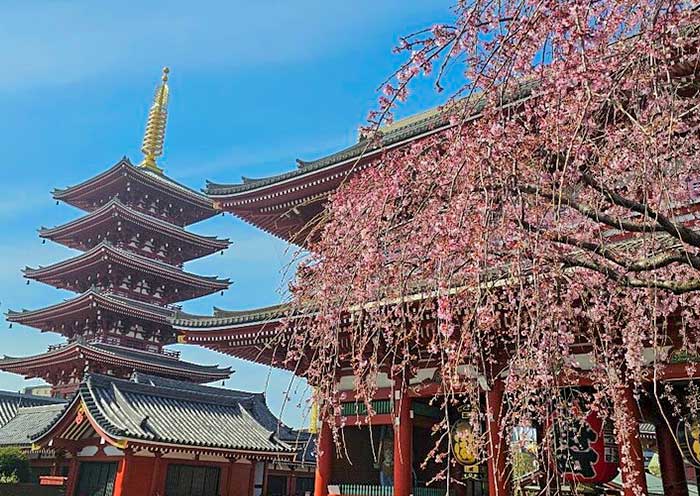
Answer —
128 276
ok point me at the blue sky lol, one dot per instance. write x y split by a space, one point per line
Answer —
254 85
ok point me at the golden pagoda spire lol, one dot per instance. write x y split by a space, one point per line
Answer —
154 136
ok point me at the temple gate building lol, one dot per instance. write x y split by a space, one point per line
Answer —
289 206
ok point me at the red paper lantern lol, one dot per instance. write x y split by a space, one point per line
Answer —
586 450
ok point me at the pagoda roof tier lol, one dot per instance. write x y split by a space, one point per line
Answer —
82 272
124 180
144 413
288 205
105 223
69 316
119 360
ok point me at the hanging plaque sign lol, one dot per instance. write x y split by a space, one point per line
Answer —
688 433
586 450
465 448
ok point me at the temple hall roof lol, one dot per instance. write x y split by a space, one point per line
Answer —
424 122
148 411
129 359
88 230
249 334
395 134
229 318
122 177
291 205
10 402
29 421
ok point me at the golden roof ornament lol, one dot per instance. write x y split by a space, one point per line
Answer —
154 136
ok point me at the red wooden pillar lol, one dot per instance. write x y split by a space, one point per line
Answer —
57 464
228 480
670 460
324 460
155 475
121 480
291 482
403 445
251 484
498 444
73 466
634 480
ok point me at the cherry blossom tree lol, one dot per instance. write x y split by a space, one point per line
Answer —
552 221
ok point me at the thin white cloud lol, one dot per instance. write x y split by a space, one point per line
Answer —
64 42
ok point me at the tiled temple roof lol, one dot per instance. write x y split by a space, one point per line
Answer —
430 121
10 402
231 318
78 195
118 356
151 411
114 209
257 404
29 421
106 254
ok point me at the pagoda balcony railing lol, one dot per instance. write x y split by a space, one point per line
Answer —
377 490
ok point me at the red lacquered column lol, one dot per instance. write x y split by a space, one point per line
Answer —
633 475
324 460
670 461
403 437
72 474
498 446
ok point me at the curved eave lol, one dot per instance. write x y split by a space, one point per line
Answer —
268 203
116 210
35 364
260 354
396 135
28 365
89 301
177 368
115 431
285 205
227 319
105 253
253 341
75 194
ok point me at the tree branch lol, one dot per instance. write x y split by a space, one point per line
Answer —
675 287
591 213
676 230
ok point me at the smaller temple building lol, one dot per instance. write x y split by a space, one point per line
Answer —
149 435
